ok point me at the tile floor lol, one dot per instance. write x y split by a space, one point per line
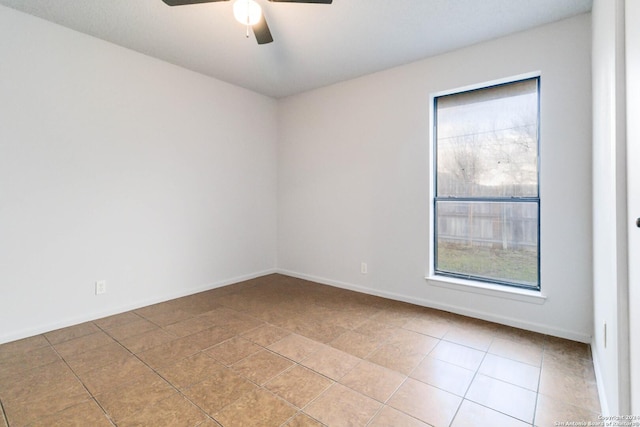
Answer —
280 351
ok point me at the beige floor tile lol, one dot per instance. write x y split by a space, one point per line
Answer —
509 399
470 414
171 412
22 362
433 328
291 318
412 342
550 411
24 385
197 303
520 335
131 329
560 346
282 315
377 330
73 347
457 354
397 316
373 380
478 339
435 315
507 370
392 357
189 326
147 340
209 337
341 406
155 309
444 375
97 357
35 406
11 349
331 362
219 390
117 320
525 353
303 420
577 366
298 385
388 417
567 387
426 403
190 370
167 316
470 323
446 356
262 366
235 301
140 392
295 347
113 375
265 335
318 329
76 331
356 344
87 413
233 350
239 323
220 315
350 318
258 408
169 352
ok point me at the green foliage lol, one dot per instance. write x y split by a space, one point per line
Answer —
515 266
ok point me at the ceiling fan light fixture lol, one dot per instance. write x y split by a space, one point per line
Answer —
247 12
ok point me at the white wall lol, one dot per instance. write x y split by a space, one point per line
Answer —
120 167
609 208
117 166
354 178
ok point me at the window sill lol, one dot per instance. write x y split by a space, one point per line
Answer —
498 291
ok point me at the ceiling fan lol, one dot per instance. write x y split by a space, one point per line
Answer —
248 13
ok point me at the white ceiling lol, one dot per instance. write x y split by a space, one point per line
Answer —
315 44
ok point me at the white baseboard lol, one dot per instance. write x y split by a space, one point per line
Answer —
491 317
70 321
518 323
602 395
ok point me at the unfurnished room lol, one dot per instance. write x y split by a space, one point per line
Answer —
291 213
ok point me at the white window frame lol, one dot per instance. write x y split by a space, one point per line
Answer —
534 296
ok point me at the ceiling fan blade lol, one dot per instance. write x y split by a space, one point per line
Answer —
261 31
303 1
186 2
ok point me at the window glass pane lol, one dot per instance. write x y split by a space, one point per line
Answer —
496 241
487 142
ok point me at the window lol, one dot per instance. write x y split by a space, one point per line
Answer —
487 200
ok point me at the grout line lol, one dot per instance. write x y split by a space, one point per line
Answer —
475 375
535 408
209 416
4 415
477 372
79 379
175 388
376 414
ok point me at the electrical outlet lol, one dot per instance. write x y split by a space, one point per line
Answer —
363 268
101 287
